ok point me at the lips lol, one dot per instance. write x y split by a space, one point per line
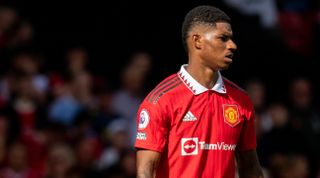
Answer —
229 55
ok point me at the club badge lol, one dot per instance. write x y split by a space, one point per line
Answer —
231 114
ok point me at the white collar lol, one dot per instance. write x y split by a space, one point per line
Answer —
195 86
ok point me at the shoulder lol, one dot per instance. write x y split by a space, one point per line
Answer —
159 100
162 90
237 93
234 87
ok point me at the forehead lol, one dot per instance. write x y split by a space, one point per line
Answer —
218 28
223 27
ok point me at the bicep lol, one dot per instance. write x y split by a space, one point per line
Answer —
147 162
248 164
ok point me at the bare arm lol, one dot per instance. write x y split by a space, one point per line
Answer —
147 162
248 164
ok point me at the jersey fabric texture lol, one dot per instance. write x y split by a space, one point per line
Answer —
196 130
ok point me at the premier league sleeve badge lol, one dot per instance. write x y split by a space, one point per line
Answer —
144 119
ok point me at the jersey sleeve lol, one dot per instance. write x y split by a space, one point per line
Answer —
247 139
152 127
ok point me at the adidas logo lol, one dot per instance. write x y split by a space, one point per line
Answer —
189 117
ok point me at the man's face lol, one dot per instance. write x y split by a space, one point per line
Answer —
217 46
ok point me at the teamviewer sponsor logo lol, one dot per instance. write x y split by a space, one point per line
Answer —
189 146
217 146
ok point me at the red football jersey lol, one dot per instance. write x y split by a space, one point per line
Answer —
197 130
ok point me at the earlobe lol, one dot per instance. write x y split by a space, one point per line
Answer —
197 41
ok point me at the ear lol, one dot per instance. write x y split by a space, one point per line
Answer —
197 41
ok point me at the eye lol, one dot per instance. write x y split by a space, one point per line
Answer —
224 38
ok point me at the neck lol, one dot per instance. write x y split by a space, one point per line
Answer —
206 76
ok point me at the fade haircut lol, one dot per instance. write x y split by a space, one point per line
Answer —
202 15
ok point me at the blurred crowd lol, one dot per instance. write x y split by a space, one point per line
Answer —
72 123
288 131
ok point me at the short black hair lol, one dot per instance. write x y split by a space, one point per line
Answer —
202 15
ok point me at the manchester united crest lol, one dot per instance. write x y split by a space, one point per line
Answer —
231 114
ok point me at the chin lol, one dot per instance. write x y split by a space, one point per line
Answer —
224 67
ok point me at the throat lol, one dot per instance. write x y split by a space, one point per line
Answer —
205 76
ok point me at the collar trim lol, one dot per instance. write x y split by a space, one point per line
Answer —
195 87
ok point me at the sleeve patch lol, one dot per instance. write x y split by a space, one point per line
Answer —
144 119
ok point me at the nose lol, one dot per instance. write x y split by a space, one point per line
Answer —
232 45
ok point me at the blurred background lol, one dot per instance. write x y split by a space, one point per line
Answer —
73 73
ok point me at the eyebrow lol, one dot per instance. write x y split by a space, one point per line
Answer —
230 35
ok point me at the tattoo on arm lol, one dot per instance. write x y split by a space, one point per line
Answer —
248 164
147 170
147 162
